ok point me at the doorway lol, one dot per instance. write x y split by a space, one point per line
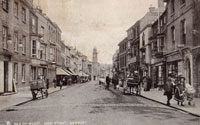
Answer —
5 76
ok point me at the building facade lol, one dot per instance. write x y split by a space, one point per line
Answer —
15 37
123 49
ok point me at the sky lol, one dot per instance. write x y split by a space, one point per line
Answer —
86 24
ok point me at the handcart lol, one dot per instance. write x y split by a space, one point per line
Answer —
39 89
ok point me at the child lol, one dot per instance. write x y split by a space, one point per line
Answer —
189 91
179 94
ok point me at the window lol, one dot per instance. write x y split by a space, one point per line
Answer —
23 15
143 39
42 53
5 37
173 33
155 46
183 31
52 54
5 5
15 42
15 69
16 9
33 73
34 49
172 6
24 44
182 2
33 25
42 32
23 72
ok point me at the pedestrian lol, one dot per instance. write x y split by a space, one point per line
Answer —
107 81
54 82
115 81
168 90
179 92
61 83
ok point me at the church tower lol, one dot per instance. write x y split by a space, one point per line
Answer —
95 55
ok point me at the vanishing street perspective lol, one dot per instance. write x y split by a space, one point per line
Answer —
99 62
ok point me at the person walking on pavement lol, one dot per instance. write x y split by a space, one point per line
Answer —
179 92
61 83
168 90
107 81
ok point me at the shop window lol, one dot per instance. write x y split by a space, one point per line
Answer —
33 73
23 72
15 69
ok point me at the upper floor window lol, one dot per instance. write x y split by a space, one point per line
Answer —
23 15
143 39
173 33
5 5
24 44
15 42
34 49
182 2
5 37
42 32
16 9
33 25
172 6
183 31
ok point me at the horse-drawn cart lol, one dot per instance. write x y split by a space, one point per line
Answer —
132 84
39 88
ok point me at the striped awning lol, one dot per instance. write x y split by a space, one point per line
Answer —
60 71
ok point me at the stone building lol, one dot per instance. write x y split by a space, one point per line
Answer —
14 44
158 47
133 35
145 30
123 64
182 40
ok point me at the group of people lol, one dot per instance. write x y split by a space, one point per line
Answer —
179 89
60 81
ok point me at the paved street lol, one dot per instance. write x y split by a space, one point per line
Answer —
91 104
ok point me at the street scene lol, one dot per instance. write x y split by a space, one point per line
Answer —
91 62
90 104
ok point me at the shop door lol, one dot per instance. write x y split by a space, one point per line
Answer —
5 76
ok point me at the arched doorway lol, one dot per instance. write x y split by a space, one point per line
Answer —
188 71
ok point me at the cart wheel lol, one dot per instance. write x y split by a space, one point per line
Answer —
42 93
46 93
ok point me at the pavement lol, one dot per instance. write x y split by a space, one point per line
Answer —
21 97
157 96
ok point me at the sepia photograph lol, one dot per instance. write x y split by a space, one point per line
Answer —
99 62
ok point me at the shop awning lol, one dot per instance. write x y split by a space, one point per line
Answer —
72 72
60 71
